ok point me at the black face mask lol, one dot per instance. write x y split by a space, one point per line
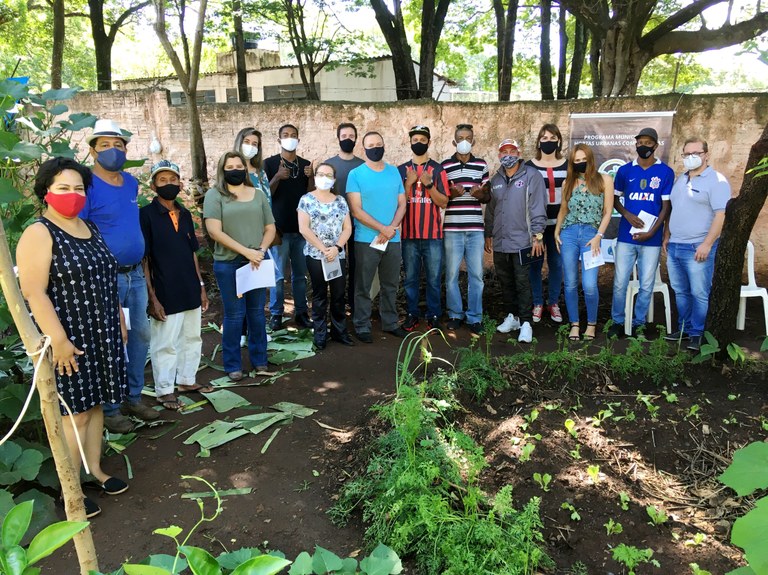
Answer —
235 177
168 191
347 145
375 154
645 152
419 148
548 147
579 167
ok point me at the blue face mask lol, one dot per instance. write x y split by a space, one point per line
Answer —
509 162
112 159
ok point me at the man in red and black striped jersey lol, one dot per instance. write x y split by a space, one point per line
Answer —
426 192
463 231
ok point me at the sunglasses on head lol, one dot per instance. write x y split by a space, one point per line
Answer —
464 126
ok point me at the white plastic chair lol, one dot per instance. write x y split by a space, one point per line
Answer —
751 290
658 287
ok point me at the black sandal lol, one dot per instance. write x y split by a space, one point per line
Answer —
587 336
574 336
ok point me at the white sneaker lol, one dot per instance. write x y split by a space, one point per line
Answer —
243 341
526 333
510 323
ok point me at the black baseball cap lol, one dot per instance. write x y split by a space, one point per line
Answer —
423 130
650 132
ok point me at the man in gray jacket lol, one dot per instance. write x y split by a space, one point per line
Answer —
515 219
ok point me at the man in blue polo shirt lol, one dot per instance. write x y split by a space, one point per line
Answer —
112 204
699 198
644 185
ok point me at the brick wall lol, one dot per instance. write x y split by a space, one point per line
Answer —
730 123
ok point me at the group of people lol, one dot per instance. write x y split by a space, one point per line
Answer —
110 282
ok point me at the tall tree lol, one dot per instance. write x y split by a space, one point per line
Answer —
392 24
506 20
239 44
57 49
545 58
740 216
187 69
104 34
628 34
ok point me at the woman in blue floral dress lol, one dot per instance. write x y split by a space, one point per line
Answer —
325 223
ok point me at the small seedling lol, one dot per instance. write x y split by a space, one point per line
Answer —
594 473
601 416
303 486
647 401
764 423
631 557
572 510
730 420
658 517
543 481
531 417
576 452
693 411
612 527
624 501
696 570
670 397
696 540
578 568
733 396
525 455
570 425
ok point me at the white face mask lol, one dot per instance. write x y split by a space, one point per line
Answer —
464 147
289 144
692 162
324 182
249 151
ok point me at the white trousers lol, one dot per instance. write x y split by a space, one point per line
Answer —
175 349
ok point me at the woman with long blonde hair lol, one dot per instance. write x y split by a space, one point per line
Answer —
584 215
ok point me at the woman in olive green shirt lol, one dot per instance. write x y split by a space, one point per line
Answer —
239 220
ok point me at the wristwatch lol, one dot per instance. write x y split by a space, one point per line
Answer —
338 247
538 237
430 185
262 250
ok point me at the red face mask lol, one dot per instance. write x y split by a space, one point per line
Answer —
68 205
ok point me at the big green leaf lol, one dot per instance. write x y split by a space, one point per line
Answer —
262 565
8 192
25 466
747 570
225 400
349 566
133 569
230 560
749 469
8 140
382 561
13 89
324 561
12 397
44 515
13 560
166 562
200 561
53 537
751 534
23 152
60 94
78 121
302 565
16 523
172 531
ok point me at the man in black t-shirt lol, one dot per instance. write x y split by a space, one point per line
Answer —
290 177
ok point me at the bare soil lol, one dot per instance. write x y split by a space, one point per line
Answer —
670 462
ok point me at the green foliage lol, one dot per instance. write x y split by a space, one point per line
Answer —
631 557
613 527
695 570
574 513
15 559
477 374
760 170
420 495
749 470
542 481
658 516
624 501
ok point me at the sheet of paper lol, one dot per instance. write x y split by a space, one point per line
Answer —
648 220
607 248
247 278
380 247
591 261
127 314
331 270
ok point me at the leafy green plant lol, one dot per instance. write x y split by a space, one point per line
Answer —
696 541
670 397
612 527
647 401
529 419
658 516
624 501
15 559
575 453
631 557
570 426
525 454
594 473
578 568
693 412
747 473
708 350
574 514
695 570
542 481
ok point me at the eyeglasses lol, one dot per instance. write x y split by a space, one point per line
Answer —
689 154
464 126
324 174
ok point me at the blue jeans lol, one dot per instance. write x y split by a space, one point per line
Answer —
691 281
555 275
132 291
647 259
469 247
428 253
574 239
292 249
249 307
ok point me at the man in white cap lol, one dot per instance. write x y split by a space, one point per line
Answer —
176 289
112 204
515 219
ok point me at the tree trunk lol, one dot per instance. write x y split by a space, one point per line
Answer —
242 73
69 477
393 28
545 60
505 45
102 45
581 37
594 64
562 70
740 217
199 182
432 23
57 50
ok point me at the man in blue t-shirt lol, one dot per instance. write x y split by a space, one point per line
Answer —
112 204
644 185
376 198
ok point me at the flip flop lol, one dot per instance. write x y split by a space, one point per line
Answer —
170 402
199 387
574 336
